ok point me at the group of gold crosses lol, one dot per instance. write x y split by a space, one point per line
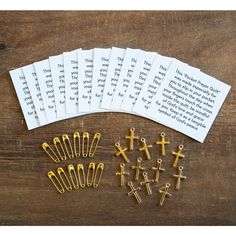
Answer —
139 169
65 150
77 178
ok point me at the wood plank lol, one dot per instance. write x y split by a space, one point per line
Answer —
208 197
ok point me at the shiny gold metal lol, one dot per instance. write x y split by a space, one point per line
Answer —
85 144
179 177
57 184
138 168
164 193
158 169
68 146
131 138
178 155
50 152
76 141
64 179
59 148
145 148
134 192
98 175
73 176
163 142
90 176
147 182
94 144
122 174
81 176
121 152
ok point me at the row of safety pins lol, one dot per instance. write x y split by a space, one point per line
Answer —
65 149
77 179
158 169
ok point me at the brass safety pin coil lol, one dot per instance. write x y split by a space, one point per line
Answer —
73 176
76 139
94 144
81 175
85 144
90 174
68 146
59 148
57 184
64 179
98 175
50 152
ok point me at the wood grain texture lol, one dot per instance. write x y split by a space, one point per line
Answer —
208 197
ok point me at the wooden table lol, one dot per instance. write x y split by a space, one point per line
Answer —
208 197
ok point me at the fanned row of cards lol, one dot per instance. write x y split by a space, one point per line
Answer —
133 81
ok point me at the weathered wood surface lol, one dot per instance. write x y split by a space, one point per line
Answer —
208 197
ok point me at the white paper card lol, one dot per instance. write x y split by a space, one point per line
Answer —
113 73
70 60
32 81
188 100
24 97
85 73
100 67
127 69
151 84
57 71
139 75
43 72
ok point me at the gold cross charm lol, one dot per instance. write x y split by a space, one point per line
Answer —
163 142
134 191
121 152
158 170
179 177
147 183
138 168
131 138
178 155
122 174
145 148
164 193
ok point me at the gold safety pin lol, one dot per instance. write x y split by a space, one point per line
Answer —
76 139
60 149
82 181
58 186
94 144
98 175
73 176
50 152
64 179
85 144
90 176
67 143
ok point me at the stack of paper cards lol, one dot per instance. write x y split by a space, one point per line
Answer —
134 81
